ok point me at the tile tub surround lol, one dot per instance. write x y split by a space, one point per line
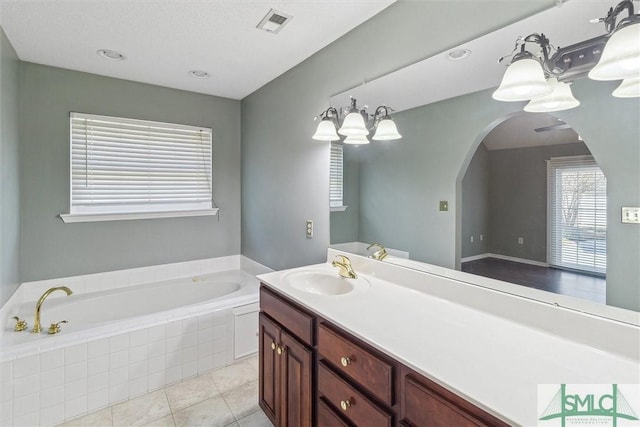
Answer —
64 381
223 397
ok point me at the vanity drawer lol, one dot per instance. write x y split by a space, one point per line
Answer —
367 369
354 405
424 406
299 322
327 416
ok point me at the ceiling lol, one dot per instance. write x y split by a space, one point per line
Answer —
519 131
164 39
438 77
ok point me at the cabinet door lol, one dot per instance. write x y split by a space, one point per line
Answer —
425 408
269 368
296 383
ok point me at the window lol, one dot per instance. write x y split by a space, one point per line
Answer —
336 178
577 214
125 169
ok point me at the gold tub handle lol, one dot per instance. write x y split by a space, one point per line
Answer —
55 327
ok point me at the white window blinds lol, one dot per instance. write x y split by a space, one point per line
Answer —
335 175
123 165
577 214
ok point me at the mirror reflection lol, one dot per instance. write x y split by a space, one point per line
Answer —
533 197
481 186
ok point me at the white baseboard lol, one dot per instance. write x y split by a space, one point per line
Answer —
506 258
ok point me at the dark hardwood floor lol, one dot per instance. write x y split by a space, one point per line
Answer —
564 282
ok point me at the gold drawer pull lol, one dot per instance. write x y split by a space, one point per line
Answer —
280 350
345 361
273 346
345 404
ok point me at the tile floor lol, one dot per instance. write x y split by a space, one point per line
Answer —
224 397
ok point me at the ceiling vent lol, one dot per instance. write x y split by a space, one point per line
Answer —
274 21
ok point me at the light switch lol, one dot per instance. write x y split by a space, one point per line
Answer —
309 228
631 215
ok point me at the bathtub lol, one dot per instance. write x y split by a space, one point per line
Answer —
120 342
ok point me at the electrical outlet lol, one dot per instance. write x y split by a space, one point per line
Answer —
472 239
521 240
309 228
444 206
481 237
631 215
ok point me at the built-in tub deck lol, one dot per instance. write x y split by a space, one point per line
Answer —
126 335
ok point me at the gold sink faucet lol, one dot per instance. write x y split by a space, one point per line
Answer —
36 325
380 254
344 264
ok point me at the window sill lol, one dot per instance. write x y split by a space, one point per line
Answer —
338 208
69 218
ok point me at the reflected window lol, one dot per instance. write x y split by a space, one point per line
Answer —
336 176
577 214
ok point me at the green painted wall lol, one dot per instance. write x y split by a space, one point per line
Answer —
476 205
10 241
518 198
52 248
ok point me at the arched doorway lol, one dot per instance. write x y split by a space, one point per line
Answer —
533 208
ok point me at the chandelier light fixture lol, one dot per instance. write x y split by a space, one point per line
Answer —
544 78
356 125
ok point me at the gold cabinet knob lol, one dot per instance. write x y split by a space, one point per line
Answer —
345 361
345 404
21 325
280 350
273 346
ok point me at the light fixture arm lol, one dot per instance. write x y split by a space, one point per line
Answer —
329 114
381 113
610 19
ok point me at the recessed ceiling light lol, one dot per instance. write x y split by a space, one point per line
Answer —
199 74
111 54
457 55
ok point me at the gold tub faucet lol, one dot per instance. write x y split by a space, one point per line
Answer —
344 264
36 325
380 254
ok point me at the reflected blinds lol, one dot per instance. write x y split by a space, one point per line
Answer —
123 165
577 214
335 175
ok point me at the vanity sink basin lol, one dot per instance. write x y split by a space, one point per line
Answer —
322 282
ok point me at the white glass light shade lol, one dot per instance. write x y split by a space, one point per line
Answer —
356 140
629 88
353 125
523 80
560 99
621 55
386 131
326 131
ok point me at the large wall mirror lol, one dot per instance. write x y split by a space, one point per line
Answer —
491 162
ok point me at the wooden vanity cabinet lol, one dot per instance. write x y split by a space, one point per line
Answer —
427 404
314 374
285 364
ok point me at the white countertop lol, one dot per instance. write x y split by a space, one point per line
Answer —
492 361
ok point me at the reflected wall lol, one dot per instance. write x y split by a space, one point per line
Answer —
401 182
